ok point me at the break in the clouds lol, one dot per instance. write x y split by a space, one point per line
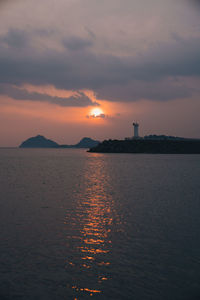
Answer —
116 55
77 100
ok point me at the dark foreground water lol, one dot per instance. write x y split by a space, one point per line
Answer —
77 225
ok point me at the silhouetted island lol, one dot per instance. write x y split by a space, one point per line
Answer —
164 145
40 141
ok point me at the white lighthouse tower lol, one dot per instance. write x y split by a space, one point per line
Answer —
136 130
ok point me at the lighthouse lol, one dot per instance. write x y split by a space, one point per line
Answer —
136 130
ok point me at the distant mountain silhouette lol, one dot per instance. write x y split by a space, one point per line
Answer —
40 141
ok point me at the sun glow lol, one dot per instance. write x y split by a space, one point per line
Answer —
96 112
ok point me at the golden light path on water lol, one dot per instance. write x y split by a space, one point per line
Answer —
93 223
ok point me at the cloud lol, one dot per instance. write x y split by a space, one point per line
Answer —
158 90
78 100
15 38
91 33
5 1
74 43
100 116
150 74
194 2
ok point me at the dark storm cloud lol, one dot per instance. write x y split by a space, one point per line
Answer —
195 2
76 43
110 75
15 38
177 58
154 90
80 100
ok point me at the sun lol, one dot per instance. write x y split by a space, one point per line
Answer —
96 112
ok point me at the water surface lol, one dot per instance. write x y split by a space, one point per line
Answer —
78 225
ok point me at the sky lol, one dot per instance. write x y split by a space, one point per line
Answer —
132 60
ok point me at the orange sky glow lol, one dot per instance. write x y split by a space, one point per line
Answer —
94 72
70 124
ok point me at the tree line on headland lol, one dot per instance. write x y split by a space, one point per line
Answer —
165 146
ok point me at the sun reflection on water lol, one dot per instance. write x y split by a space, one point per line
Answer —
92 223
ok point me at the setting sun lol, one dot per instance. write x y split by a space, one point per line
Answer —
96 112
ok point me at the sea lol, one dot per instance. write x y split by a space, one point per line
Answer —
79 225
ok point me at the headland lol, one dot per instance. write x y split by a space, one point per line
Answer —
187 146
155 144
